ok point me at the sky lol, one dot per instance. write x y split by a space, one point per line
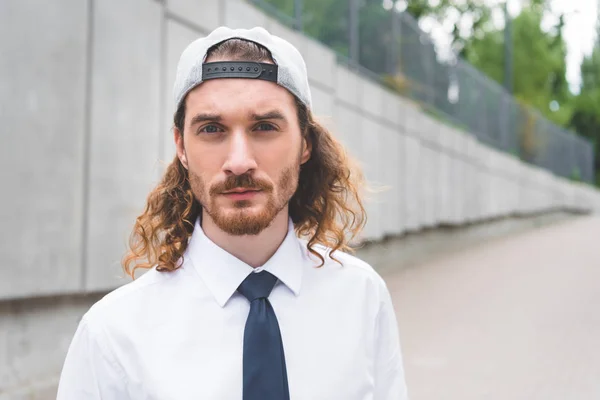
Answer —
579 33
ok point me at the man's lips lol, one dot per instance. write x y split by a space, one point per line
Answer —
241 190
241 194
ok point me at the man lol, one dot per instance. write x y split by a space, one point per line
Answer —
249 294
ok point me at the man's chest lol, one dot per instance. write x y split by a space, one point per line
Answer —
328 352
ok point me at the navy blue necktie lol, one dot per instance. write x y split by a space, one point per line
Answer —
265 375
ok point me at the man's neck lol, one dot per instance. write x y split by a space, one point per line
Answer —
254 250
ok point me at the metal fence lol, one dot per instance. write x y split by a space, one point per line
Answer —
389 46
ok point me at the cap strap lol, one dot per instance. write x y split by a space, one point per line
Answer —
239 69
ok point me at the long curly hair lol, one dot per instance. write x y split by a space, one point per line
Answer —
326 208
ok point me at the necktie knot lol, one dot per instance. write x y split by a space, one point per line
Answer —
257 285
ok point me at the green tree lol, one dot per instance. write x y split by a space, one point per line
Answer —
474 16
539 63
586 115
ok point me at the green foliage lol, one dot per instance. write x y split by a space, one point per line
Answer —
472 13
586 118
586 115
539 63
575 175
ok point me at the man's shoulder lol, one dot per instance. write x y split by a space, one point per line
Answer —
348 264
349 274
129 298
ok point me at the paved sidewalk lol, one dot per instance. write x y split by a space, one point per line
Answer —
516 318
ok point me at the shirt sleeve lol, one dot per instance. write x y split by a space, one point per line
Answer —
89 371
390 382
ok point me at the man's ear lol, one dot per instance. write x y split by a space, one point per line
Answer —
306 149
178 136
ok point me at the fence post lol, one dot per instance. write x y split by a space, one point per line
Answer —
395 43
298 14
426 64
353 31
508 63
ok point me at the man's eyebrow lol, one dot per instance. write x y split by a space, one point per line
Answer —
268 115
202 117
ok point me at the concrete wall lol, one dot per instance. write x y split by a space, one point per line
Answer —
86 115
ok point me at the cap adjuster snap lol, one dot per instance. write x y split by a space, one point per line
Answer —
239 69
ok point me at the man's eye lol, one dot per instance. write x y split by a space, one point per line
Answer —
265 127
210 129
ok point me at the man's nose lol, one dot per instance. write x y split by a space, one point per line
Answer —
240 159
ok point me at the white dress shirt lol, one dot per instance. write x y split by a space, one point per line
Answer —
179 335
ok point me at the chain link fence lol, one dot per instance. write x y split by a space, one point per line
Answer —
390 47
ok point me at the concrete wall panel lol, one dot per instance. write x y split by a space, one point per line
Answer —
487 199
410 118
347 128
437 186
320 63
347 86
412 179
34 336
452 199
125 138
478 173
434 182
371 98
401 182
445 189
323 105
240 14
205 14
392 108
42 139
502 171
467 205
427 164
370 155
462 191
388 166
480 195
430 131
398 181
419 127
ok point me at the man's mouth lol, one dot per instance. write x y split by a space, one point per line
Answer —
241 193
241 190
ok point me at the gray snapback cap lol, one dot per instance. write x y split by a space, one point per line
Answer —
291 68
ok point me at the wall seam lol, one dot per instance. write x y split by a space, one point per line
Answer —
87 144
185 22
161 85
319 85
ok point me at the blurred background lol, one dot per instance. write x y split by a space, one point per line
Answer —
481 118
519 75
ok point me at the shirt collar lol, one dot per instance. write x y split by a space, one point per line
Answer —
223 273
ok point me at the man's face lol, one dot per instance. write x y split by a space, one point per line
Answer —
243 148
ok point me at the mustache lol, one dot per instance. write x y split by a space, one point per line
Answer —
240 181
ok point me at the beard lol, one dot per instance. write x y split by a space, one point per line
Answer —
246 217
